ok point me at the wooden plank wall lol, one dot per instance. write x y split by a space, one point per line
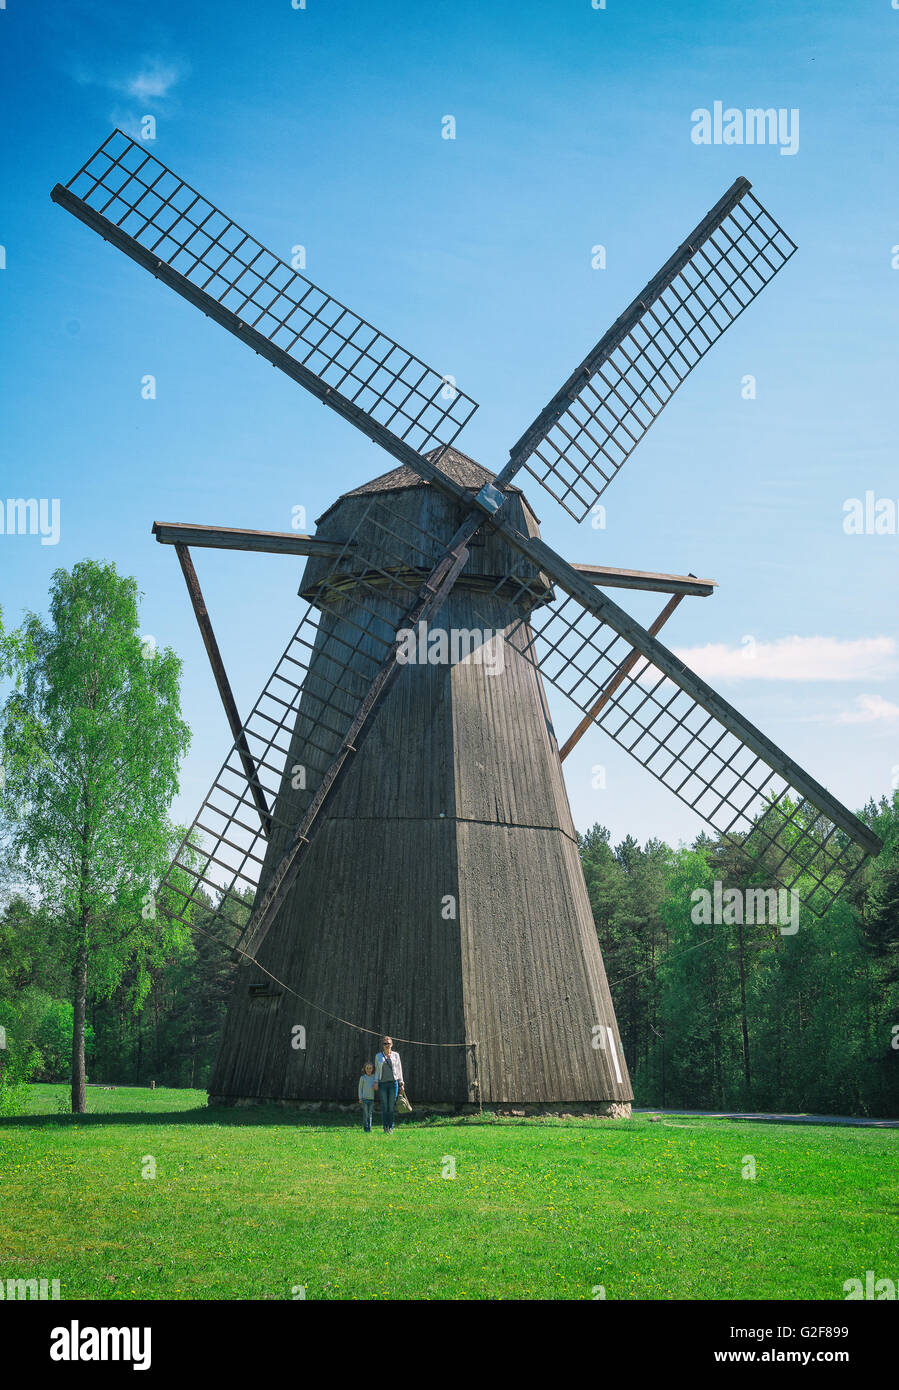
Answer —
457 794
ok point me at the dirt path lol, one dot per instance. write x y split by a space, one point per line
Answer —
776 1119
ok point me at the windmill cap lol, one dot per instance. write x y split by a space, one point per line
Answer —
465 471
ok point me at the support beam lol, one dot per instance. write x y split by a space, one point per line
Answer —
623 671
231 538
647 580
221 679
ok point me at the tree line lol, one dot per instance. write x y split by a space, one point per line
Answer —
745 1015
98 981
739 1016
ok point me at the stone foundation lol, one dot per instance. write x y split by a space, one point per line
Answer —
598 1110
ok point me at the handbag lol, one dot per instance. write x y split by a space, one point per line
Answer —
402 1105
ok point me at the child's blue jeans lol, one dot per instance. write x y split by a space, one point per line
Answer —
367 1108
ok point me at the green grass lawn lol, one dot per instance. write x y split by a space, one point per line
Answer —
255 1204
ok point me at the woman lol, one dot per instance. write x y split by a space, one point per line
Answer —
388 1081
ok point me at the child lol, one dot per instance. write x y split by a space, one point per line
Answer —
367 1095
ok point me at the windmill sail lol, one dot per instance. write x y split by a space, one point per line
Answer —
683 732
134 201
578 443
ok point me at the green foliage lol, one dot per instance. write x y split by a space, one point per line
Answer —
19 1061
174 1037
54 1039
92 738
14 1093
743 1016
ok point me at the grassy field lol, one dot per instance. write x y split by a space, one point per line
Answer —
257 1204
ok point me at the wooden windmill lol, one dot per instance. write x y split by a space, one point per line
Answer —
401 828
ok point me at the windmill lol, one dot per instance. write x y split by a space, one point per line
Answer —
389 840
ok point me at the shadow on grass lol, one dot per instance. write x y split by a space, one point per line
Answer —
269 1116
201 1115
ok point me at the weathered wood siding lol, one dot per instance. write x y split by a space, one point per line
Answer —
456 795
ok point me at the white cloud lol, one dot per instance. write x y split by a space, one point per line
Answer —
152 79
155 79
869 709
796 659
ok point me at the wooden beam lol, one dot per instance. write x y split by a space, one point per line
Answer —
623 671
232 538
646 579
294 543
221 679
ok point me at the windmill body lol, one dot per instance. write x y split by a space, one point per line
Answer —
401 831
443 900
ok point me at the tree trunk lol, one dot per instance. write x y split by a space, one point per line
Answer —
156 1063
717 1045
79 981
744 1021
79 1002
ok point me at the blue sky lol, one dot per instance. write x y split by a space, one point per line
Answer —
573 128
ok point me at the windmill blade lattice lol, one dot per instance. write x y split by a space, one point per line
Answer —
578 443
691 740
574 448
303 713
164 224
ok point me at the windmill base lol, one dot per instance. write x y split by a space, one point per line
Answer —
600 1110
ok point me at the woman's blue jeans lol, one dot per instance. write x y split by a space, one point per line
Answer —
388 1096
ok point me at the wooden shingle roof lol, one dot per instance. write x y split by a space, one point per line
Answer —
463 470
467 472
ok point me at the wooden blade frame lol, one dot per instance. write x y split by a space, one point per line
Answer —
132 200
579 441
